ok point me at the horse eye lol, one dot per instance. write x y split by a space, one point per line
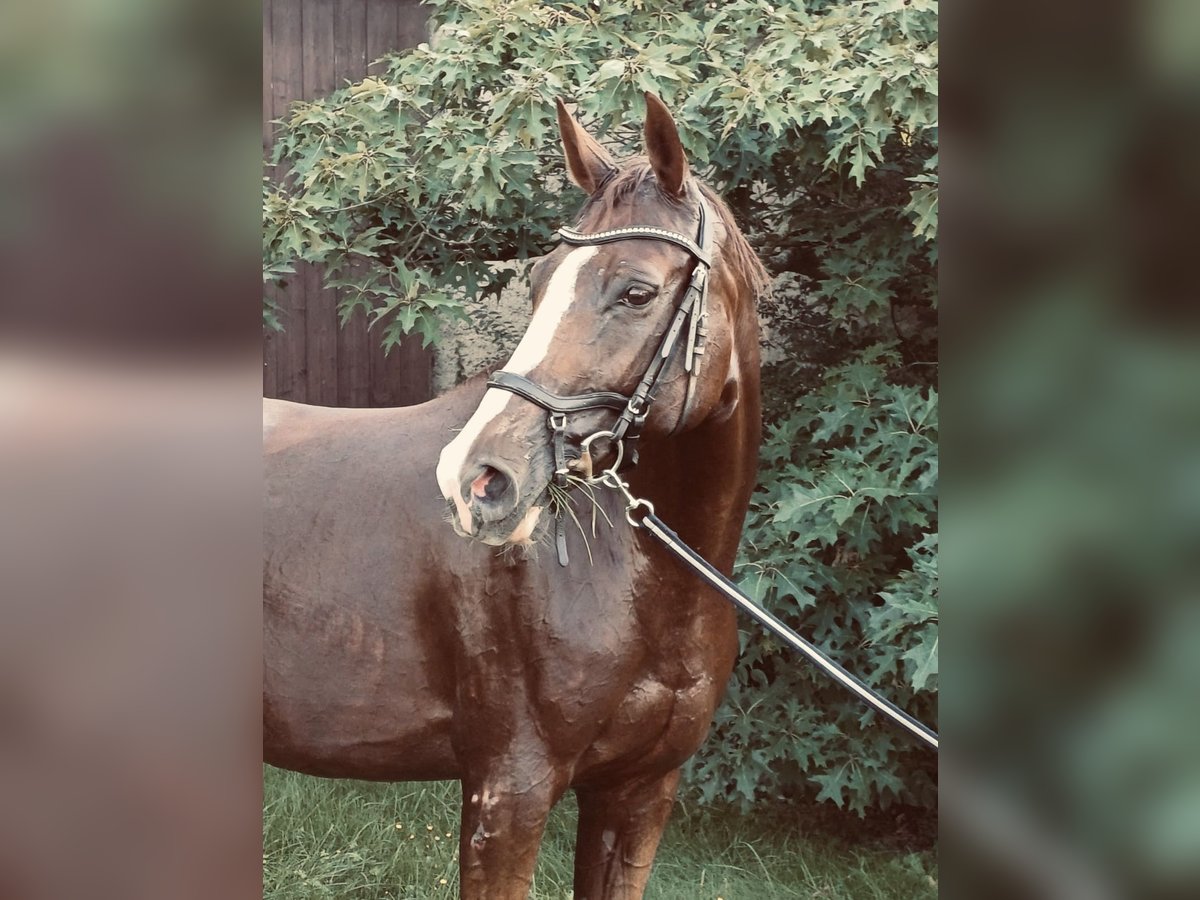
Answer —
639 295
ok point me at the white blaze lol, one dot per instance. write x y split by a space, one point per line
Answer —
560 294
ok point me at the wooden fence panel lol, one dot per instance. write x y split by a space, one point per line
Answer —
311 47
321 304
387 370
287 84
270 339
353 341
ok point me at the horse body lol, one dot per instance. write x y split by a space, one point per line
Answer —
395 649
381 625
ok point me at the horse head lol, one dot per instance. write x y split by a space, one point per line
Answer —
606 302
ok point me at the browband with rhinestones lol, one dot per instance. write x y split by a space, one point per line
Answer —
571 236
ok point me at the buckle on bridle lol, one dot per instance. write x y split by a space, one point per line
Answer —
611 477
558 427
585 456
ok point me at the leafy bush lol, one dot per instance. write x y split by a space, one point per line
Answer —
840 542
817 122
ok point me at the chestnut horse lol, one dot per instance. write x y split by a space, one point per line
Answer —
396 649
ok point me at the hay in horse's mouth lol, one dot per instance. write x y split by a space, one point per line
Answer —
561 503
519 528
531 528
527 526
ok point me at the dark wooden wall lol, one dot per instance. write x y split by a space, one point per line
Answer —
310 48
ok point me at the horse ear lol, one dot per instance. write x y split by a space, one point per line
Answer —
664 148
588 164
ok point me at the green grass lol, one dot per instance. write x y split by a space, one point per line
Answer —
349 839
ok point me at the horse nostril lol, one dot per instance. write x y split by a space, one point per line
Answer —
490 485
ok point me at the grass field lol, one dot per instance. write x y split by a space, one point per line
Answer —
348 839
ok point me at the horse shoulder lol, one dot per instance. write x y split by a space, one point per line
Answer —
284 423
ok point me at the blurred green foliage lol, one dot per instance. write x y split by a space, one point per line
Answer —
817 121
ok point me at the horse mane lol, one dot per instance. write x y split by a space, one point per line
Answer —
736 251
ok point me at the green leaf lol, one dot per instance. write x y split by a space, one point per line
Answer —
833 785
746 783
924 656
610 69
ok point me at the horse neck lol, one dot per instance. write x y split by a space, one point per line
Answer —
700 481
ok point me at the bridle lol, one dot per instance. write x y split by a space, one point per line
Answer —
632 409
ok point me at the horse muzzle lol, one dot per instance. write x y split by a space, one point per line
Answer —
496 487
491 494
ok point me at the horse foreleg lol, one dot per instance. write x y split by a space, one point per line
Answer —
619 830
504 813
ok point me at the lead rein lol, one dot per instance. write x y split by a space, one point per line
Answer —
698 564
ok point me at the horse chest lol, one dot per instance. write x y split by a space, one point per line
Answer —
603 668
689 645
642 685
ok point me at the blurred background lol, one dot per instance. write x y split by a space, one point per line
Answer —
130 163
1072 500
